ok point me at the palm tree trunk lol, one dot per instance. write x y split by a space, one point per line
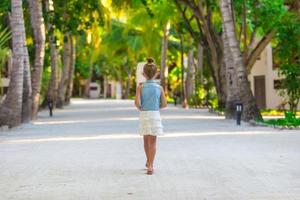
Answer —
88 82
52 86
163 65
183 89
222 90
231 81
37 23
105 87
61 93
200 62
11 109
250 109
127 89
71 72
190 78
27 90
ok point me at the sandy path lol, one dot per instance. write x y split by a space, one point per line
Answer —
91 150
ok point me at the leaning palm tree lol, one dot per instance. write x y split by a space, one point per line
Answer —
11 109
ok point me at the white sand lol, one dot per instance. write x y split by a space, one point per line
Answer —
91 150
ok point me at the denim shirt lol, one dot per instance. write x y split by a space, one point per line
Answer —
150 96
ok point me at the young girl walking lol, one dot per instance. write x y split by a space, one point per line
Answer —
150 98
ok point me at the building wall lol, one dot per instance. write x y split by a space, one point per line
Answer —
264 66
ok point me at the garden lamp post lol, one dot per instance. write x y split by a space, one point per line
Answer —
239 111
50 106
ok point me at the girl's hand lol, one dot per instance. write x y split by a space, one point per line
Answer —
137 100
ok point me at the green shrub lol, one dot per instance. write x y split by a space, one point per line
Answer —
290 120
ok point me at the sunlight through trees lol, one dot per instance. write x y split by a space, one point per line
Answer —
207 52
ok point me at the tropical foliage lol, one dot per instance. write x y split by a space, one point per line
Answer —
289 48
204 49
4 51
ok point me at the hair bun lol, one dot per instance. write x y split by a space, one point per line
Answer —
150 60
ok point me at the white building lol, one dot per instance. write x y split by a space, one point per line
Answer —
264 80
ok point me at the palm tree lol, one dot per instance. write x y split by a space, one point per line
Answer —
190 76
52 86
37 23
11 109
27 89
164 14
239 68
69 88
163 64
61 92
232 96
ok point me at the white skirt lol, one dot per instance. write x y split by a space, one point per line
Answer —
150 123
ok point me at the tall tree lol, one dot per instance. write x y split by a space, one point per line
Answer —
233 95
11 109
69 89
256 25
62 87
200 62
202 19
245 94
27 88
69 20
199 22
190 76
38 26
163 63
53 84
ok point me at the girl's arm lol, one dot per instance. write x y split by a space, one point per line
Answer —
163 100
137 100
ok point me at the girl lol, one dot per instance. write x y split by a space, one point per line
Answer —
150 98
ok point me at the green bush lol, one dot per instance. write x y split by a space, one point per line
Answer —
275 112
290 120
203 98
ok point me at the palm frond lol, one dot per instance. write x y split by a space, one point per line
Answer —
5 35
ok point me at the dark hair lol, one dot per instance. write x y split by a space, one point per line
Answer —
150 68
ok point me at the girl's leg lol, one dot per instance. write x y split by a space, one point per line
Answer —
152 152
146 148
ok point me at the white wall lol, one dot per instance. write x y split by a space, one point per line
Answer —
264 66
